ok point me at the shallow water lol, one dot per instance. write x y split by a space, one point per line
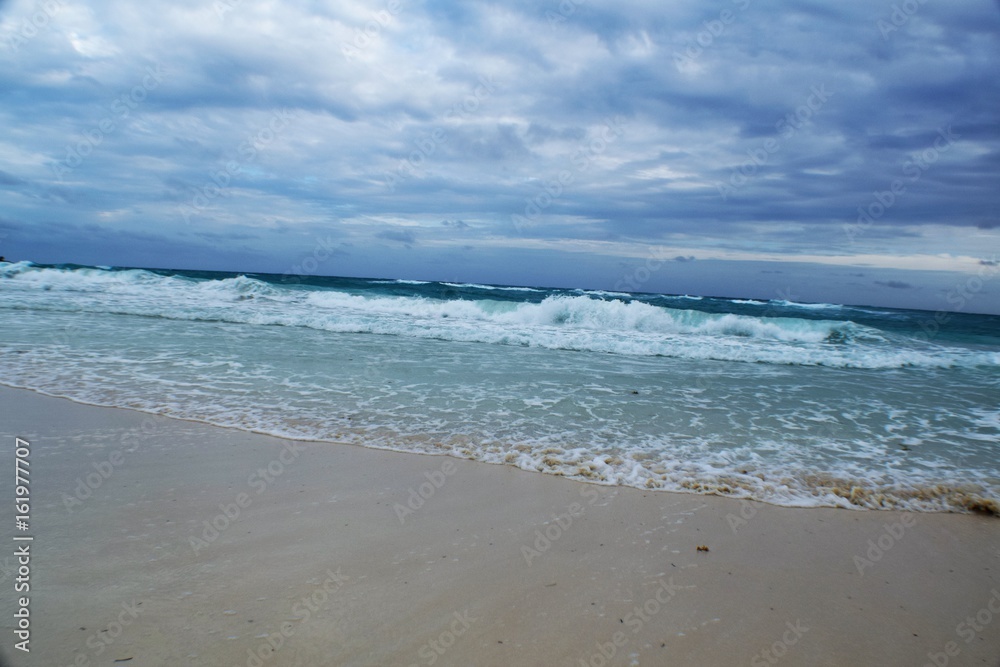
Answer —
795 404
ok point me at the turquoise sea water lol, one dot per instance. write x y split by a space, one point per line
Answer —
795 404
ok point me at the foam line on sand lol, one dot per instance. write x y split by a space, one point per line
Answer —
166 542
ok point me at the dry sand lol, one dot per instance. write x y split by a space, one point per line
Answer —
322 560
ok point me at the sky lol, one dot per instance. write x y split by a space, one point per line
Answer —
842 151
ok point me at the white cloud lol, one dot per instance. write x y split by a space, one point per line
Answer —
372 82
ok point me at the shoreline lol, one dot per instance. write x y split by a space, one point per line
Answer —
840 493
203 545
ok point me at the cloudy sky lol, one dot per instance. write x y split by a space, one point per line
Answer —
841 151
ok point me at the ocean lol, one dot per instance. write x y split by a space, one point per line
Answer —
794 404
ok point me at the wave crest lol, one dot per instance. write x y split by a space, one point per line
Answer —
580 322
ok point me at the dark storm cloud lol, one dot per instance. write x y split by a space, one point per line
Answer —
8 179
400 235
762 129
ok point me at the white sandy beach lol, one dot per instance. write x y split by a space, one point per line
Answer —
321 561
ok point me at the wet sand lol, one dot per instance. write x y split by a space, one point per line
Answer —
167 542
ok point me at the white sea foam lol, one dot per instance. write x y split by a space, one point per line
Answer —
400 281
810 306
562 322
494 288
653 414
603 293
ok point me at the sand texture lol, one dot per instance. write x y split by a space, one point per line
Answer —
341 555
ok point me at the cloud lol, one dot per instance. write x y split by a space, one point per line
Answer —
400 235
8 179
616 123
